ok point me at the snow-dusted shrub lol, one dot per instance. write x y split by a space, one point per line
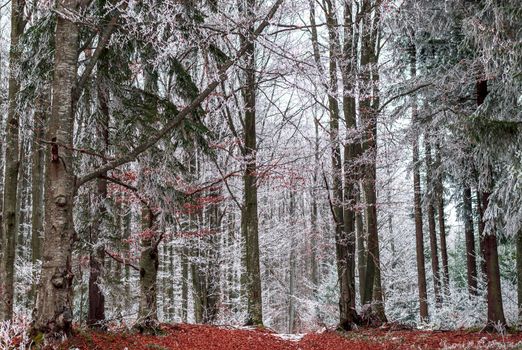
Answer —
14 334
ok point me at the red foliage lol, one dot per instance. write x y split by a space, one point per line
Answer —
196 337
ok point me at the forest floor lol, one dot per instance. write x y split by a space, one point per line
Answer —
203 337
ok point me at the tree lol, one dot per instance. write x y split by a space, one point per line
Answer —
471 260
54 305
249 217
8 234
419 236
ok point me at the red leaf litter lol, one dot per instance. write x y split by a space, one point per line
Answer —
204 337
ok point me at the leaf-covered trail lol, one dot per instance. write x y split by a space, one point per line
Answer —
202 337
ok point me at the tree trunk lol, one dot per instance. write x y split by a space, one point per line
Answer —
351 147
419 236
96 313
12 163
471 261
431 222
481 225
519 278
54 310
369 109
344 240
213 260
314 234
361 247
292 270
249 216
184 284
496 320
147 321
37 186
441 219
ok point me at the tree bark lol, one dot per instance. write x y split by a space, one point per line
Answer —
147 321
441 220
369 109
431 221
12 164
496 320
37 186
351 147
54 310
249 215
419 235
519 278
96 312
471 260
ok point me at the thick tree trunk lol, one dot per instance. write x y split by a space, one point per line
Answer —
471 260
37 185
147 321
249 216
419 236
431 222
54 312
12 163
351 147
344 239
369 109
496 320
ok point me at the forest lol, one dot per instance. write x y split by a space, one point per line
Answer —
313 174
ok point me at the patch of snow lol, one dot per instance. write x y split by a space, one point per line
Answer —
289 337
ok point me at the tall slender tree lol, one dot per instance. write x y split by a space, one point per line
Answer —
419 235
249 215
8 233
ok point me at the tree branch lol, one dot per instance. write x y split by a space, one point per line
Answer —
122 261
178 119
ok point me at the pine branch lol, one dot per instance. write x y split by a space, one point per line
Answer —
188 110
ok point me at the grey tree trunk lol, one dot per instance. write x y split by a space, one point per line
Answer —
431 221
12 164
361 247
54 313
519 278
147 321
37 177
314 234
184 284
249 216
441 220
344 240
292 270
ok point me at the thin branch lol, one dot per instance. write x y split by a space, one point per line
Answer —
80 150
122 261
393 98
102 43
